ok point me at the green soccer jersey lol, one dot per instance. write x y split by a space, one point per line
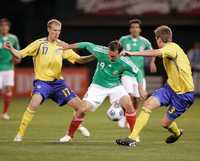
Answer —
6 62
108 73
139 44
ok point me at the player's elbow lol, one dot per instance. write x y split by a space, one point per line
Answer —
80 61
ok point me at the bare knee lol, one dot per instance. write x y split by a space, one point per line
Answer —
35 102
126 103
165 123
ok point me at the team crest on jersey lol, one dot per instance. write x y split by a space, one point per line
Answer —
58 51
128 47
142 48
115 72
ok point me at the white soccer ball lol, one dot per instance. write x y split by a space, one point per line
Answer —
115 112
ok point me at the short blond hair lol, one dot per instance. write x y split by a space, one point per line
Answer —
53 21
164 33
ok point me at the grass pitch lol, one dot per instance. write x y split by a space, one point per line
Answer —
50 123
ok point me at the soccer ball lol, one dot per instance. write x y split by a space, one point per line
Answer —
115 112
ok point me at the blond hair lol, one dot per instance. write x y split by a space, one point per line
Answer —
164 33
53 21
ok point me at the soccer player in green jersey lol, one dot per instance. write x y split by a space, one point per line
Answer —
106 80
6 65
134 42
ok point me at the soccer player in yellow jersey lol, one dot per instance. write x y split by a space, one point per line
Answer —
47 56
177 93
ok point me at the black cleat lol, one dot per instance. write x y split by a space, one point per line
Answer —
126 142
173 138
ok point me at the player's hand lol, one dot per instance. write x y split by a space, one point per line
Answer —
123 53
7 45
153 68
63 45
142 91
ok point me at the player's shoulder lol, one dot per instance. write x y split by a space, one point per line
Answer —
41 40
125 37
126 60
144 39
172 45
12 36
101 49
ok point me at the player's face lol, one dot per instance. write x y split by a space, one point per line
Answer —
4 28
135 29
159 42
54 32
113 55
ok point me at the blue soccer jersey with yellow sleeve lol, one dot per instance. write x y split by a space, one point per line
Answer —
47 58
178 68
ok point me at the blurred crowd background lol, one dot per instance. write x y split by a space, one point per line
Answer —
101 21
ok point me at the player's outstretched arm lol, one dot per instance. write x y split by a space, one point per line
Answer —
148 53
85 59
152 65
9 47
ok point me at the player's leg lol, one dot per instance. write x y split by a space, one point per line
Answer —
150 104
7 83
93 98
178 105
28 116
40 92
7 98
159 97
172 127
119 95
83 130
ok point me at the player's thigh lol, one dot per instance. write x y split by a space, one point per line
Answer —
41 91
35 101
6 80
179 104
95 96
1 81
62 93
119 95
127 83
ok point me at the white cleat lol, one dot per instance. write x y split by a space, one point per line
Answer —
122 122
137 139
18 138
84 131
5 116
65 139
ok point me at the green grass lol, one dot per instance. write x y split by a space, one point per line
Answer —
50 122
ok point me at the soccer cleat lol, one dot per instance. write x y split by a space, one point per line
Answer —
84 131
137 139
18 138
173 138
126 142
65 139
5 116
122 122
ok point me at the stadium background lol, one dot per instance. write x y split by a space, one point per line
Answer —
99 21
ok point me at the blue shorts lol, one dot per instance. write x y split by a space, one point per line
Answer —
56 90
177 103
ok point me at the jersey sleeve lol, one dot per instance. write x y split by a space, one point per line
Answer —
148 45
131 67
16 44
168 52
121 41
30 50
71 56
97 50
